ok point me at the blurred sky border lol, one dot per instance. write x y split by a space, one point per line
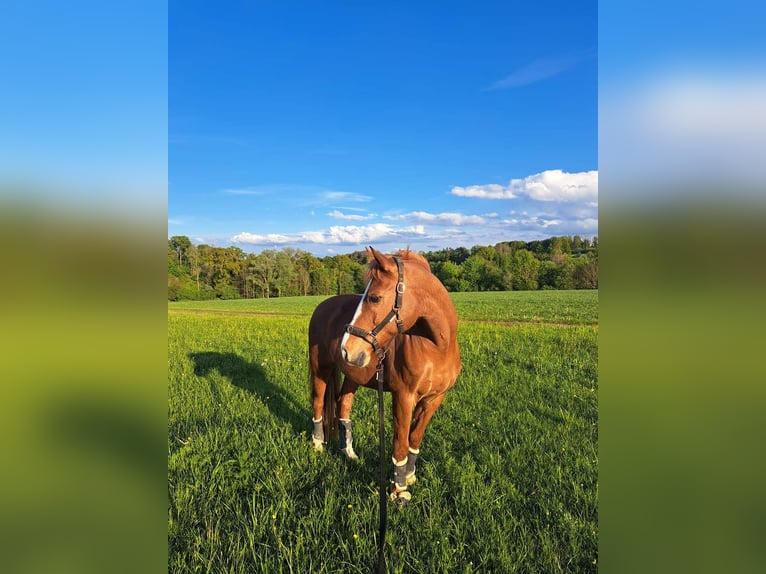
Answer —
83 107
682 87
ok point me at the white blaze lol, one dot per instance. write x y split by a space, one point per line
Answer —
356 314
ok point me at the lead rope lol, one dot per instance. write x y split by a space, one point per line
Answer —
382 486
379 377
372 338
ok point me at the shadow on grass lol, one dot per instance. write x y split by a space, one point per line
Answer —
252 378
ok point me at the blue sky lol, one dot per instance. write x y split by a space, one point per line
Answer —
328 126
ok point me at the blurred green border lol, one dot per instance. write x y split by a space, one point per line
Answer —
682 310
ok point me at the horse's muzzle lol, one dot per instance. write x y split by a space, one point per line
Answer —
360 359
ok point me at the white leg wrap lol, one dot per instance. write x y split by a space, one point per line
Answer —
317 436
412 457
400 494
345 439
400 471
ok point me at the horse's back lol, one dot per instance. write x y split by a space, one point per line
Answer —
327 325
333 312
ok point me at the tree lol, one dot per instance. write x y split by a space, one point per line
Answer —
194 265
322 281
173 267
264 270
205 271
553 275
284 271
180 244
345 278
524 267
305 265
486 252
546 275
503 255
471 272
491 277
585 273
449 274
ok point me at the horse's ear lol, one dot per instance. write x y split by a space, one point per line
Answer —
386 263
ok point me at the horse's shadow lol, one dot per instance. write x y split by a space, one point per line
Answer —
252 378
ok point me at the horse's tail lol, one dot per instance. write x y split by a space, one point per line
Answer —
330 411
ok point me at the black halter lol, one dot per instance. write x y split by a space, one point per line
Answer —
372 336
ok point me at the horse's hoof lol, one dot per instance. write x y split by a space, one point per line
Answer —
349 452
401 497
318 444
410 480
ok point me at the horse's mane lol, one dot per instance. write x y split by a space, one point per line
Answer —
405 255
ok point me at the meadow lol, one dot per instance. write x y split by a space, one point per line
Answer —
507 477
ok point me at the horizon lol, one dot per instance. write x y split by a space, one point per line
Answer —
329 253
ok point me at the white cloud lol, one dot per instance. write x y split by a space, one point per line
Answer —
344 196
246 191
351 216
533 222
356 233
535 71
551 185
303 194
256 238
413 230
557 185
311 236
337 234
447 218
549 203
488 191
349 208
589 224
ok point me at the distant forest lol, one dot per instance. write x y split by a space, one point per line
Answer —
207 272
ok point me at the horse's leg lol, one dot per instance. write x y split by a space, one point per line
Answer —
424 411
320 378
403 403
346 401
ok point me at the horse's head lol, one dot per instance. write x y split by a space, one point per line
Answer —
381 314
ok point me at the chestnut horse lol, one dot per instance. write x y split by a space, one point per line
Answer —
404 320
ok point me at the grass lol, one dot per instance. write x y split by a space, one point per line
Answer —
508 470
576 307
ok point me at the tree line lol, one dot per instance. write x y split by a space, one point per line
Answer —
208 272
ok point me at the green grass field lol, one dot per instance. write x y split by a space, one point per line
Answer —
580 307
507 472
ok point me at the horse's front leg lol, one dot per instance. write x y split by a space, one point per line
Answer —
345 402
424 411
403 403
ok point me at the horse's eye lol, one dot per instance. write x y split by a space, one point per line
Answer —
373 298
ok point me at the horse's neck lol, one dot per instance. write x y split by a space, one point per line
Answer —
436 325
